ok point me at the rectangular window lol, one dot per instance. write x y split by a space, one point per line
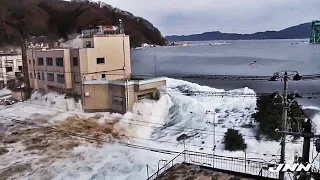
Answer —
116 100
40 62
88 44
75 61
100 60
50 77
39 77
145 96
34 62
77 78
8 69
60 78
49 61
35 75
103 76
59 62
20 68
43 77
29 61
31 75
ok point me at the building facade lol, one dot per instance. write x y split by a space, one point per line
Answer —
10 64
103 58
119 95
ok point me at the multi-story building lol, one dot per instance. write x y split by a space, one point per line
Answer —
10 64
103 63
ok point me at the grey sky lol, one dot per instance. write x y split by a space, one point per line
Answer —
177 17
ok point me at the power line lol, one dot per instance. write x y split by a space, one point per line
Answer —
102 140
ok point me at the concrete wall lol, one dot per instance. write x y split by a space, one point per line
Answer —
116 52
41 83
98 98
108 97
67 68
142 87
31 69
117 92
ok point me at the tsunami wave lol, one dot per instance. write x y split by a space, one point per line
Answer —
155 124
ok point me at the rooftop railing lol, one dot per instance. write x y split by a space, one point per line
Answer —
220 163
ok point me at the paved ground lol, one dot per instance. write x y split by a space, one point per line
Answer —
194 172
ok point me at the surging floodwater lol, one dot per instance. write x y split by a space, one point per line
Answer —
151 124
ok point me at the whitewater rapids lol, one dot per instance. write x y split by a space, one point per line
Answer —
179 112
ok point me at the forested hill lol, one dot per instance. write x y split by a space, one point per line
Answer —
20 19
296 32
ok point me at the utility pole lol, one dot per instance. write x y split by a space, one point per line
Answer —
307 135
214 138
306 147
25 69
284 121
296 77
147 171
306 141
213 135
155 66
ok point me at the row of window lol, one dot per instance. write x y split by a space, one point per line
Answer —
59 61
50 77
10 69
49 60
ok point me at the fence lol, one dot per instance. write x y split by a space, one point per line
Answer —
175 160
234 164
221 163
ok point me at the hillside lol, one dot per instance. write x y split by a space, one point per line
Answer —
56 19
296 32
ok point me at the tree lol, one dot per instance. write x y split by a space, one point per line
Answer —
233 141
269 116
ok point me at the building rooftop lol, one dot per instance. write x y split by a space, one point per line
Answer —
124 82
203 166
104 31
9 53
184 171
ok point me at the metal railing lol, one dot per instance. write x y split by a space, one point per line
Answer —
171 163
221 163
234 164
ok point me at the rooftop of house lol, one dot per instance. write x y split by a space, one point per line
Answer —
130 81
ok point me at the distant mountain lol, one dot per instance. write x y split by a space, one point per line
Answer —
56 19
296 32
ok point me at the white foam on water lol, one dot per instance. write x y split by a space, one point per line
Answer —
180 114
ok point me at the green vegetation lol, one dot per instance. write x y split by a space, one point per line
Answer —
233 140
269 116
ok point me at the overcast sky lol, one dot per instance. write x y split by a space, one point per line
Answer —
183 17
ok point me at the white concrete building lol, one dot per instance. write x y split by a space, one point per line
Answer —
10 63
